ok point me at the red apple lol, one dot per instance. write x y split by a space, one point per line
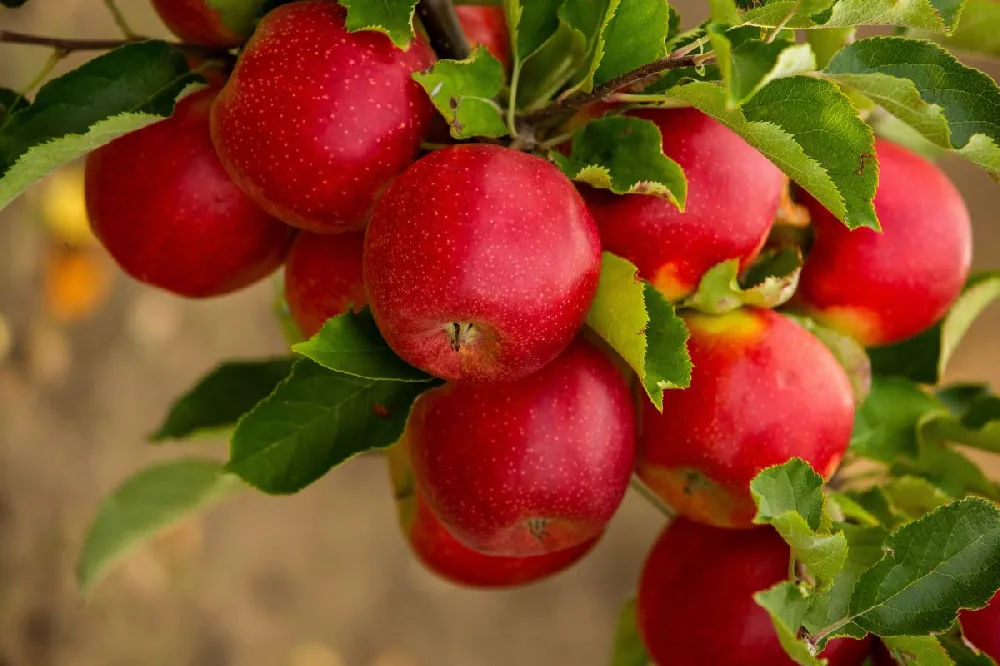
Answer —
982 627
444 555
881 656
885 287
528 467
161 203
316 120
323 278
481 263
197 23
696 607
486 26
733 195
763 390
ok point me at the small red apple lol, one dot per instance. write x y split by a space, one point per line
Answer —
323 278
885 287
161 203
733 195
982 627
763 390
528 467
696 608
486 26
480 263
443 555
881 656
316 120
195 22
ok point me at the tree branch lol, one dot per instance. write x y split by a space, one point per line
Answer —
443 29
70 45
580 99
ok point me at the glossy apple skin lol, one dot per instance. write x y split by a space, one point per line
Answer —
695 604
982 627
445 556
315 120
323 278
529 467
883 288
486 26
733 195
763 390
196 23
165 209
480 263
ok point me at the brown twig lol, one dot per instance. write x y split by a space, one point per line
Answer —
580 99
69 45
443 29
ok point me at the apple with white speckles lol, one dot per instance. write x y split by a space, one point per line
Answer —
481 263
316 120
323 278
165 209
529 467
445 556
486 26
733 196
763 390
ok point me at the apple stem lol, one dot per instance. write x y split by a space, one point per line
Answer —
70 45
601 92
443 29
654 499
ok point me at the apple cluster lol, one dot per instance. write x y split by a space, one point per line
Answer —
479 263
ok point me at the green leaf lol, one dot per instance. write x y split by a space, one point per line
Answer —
851 509
624 155
810 130
220 398
240 16
351 344
825 43
961 652
10 101
635 36
748 63
925 357
790 498
937 15
787 606
390 17
947 560
465 91
885 428
542 73
913 497
628 649
146 504
950 104
119 92
772 284
976 32
945 467
315 420
641 325
531 24
923 650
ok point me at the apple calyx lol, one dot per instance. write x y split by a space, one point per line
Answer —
461 334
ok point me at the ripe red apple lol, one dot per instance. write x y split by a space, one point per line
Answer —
315 120
695 605
528 467
444 555
161 203
885 287
881 656
763 390
733 195
486 26
982 627
481 263
323 278
197 23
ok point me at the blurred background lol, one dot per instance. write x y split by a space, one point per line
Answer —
89 362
